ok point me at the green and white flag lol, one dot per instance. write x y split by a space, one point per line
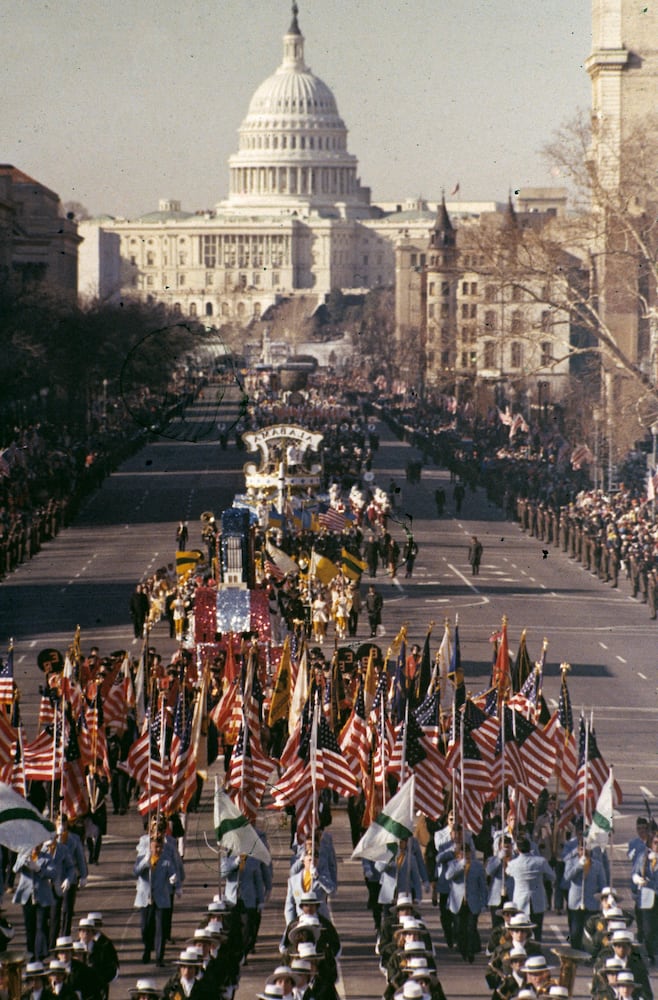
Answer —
601 828
234 831
22 826
394 823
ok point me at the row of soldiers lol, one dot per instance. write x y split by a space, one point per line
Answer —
603 548
22 537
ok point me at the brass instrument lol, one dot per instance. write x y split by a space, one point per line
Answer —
12 964
569 959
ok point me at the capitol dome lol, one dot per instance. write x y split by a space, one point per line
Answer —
293 143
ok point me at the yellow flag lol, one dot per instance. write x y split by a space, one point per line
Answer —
280 704
370 683
323 568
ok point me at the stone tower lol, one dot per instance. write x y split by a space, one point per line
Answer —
623 68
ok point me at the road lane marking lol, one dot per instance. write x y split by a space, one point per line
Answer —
643 676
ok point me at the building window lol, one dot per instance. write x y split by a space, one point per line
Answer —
490 320
489 354
150 258
517 293
445 288
517 321
546 320
474 288
489 293
464 310
431 288
210 278
256 310
209 309
413 260
445 310
256 278
182 258
516 354
473 311
209 251
276 278
181 280
546 352
149 280
430 310
133 260
192 308
176 308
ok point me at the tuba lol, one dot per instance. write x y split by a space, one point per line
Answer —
12 964
569 959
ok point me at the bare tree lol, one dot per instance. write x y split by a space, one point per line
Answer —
595 267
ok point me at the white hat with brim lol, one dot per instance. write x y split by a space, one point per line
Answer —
559 991
56 965
626 978
280 972
410 991
305 926
301 966
34 969
270 992
621 937
520 922
306 950
526 994
148 986
536 963
189 956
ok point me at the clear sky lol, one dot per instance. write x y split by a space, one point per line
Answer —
117 103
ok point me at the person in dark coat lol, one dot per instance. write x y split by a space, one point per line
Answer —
475 555
374 604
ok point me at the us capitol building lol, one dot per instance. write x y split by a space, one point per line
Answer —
296 220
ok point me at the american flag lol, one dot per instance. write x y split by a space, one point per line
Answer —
535 750
7 677
7 739
566 764
355 739
183 777
147 764
248 774
591 775
332 519
114 693
74 795
38 757
474 769
429 766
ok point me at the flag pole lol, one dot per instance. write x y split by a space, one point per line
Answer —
612 829
54 770
383 739
403 763
462 818
503 815
313 757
